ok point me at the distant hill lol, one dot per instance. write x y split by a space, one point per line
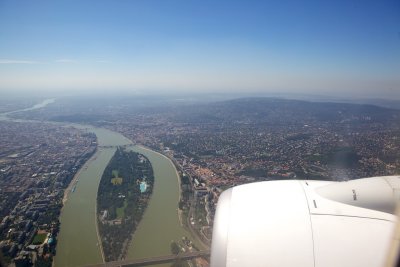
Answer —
393 104
269 110
277 110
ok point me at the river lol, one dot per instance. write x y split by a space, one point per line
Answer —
78 243
37 106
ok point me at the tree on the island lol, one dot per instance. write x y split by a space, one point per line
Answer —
2 262
175 248
44 262
45 248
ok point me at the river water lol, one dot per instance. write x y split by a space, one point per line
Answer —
160 223
78 241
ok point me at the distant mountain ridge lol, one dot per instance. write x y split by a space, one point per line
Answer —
277 110
270 110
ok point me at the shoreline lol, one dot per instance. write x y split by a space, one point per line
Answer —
170 160
68 189
187 228
99 242
177 176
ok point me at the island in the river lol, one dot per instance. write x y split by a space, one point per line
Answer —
124 191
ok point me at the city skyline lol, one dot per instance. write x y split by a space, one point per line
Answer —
342 48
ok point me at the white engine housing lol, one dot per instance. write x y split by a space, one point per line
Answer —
306 223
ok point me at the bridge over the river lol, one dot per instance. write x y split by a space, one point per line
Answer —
153 260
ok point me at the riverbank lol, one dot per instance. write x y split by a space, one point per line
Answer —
197 240
75 179
70 190
167 158
160 223
96 221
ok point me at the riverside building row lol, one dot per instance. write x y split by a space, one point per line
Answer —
37 162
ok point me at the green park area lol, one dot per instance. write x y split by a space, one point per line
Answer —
39 239
116 180
121 210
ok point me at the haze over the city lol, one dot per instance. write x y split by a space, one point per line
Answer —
335 48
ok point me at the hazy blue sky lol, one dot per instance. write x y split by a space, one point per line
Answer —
326 47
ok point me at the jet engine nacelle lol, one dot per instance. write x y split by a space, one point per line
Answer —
306 223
